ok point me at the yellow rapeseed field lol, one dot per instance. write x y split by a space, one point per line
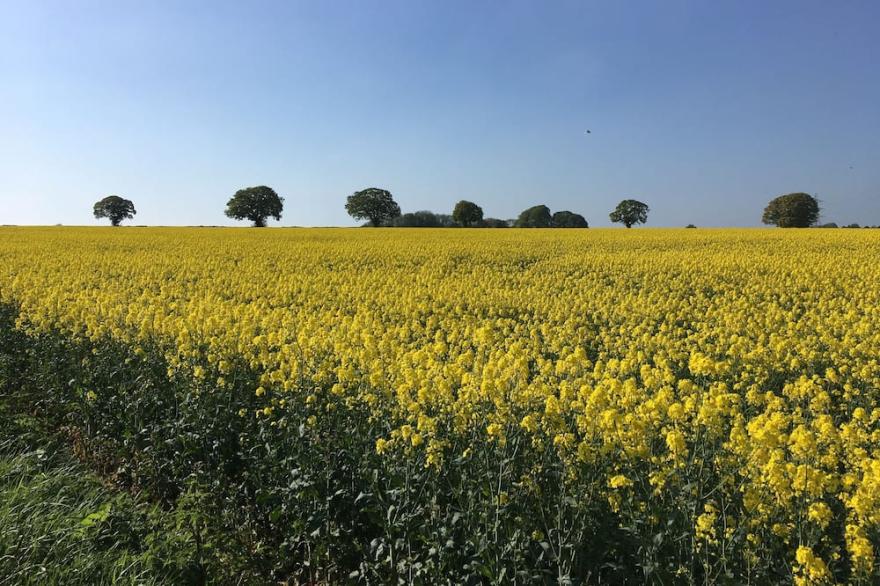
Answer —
731 375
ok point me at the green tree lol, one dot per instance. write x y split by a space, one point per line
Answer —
794 210
373 204
566 219
255 204
467 213
495 223
114 208
629 212
420 219
534 217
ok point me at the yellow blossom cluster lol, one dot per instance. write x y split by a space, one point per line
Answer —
740 368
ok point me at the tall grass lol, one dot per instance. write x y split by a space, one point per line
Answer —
62 524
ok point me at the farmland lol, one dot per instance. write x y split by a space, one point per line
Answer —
420 405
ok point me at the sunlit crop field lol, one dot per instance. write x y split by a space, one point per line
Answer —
530 405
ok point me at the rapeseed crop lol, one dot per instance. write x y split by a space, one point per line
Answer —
530 405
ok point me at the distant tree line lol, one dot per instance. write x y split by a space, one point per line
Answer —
378 208
834 225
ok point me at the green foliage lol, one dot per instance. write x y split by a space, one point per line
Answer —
630 212
115 209
467 213
495 223
422 219
534 217
566 219
255 204
62 524
373 204
794 210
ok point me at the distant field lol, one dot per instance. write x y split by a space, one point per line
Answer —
473 405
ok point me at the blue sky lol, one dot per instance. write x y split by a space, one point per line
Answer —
704 110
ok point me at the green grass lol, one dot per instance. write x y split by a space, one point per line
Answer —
65 518
59 524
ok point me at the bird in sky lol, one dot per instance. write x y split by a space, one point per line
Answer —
588 132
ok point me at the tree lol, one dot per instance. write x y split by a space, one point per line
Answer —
373 204
566 219
629 212
794 210
255 204
445 220
534 217
115 208
467 213
495 223
420 219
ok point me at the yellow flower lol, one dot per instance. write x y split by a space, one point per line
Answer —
619 481
676 443
529 423
810 569
820 514
705 523
860 549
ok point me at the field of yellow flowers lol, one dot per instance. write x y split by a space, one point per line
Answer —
475 406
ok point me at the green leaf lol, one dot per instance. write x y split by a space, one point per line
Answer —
97 517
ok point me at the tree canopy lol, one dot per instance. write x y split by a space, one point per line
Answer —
794 210
255 204
467 213
422 219
373 204
114 208
630 212
566 219
534 217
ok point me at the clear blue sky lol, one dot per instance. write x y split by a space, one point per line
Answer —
704 110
